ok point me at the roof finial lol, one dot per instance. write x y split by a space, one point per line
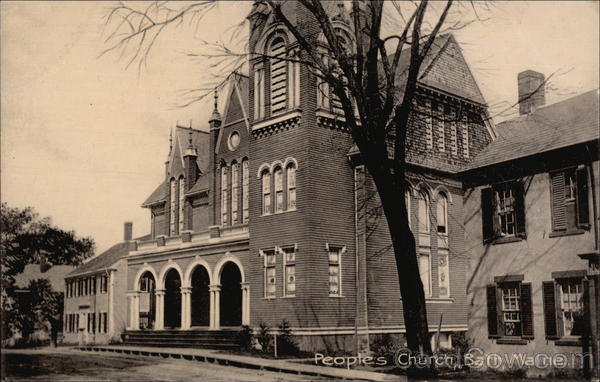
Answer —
215 115
190 150
170 140
216 99
190 140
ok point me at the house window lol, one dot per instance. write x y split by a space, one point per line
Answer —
94 281
511 311
442 214
100 323
181 204
408 209
423 212
266 192
425 272
503 211
245 191
234 192
294 79
571 304
428 124
270 274
509 308
441 128
173 208
335 270
259 92
291 186
104 284
323 89
224 195
279 80
453 136
443 273
104 322
465 134
278 189
289 262
569 199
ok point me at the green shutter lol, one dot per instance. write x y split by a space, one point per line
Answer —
549 300
519 195
526 311
583 214
487 214
557 197
492 312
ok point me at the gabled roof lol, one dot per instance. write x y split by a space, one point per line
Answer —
552 127
444 69
103 261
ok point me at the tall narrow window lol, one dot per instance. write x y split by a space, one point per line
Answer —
443 273
224 195
423 212
441 128
511 311
279 80
278 189
335 271
505 203
259 92
453 135
425 272
291 186
294 80
442 214
181 204
408 209
105 322
428 111
266 192
323 89
465 134
173 208
234 192
270 274
571 304
245 190
289 261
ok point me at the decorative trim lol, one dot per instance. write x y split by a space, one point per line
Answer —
508 279
569 274
570 232
278 123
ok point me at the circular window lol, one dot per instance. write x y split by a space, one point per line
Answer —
233 141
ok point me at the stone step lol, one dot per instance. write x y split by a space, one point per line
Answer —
208 339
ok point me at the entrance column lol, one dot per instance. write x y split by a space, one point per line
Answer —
215 297
160 310
134 310
186 319
245 303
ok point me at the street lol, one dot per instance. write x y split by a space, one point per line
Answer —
63 364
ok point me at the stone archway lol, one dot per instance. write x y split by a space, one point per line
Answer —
147 300
200 298
231 295
172 299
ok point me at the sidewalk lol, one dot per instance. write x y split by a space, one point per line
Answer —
275 365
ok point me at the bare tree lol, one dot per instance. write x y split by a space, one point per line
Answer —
374 81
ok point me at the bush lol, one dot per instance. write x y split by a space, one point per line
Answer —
264 337
285 341
245 337
384 345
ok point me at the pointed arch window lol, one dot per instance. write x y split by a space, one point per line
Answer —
224 195
278 189
408 207
234 192
423 212
291 186
181 204
442 213
278 75
266 192
259 91
245 191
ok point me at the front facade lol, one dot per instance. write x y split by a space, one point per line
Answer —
531 223
270 216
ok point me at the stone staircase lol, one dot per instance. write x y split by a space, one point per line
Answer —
193 338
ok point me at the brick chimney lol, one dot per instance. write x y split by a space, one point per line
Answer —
531 91
127 231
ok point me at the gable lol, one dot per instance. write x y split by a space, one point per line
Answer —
449 72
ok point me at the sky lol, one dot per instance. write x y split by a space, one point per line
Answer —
84 140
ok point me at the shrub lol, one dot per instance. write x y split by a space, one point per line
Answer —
264 337
245 337
285 341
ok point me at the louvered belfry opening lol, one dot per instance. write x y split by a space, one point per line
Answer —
279 92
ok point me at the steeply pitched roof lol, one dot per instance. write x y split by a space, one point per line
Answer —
103 261
555 126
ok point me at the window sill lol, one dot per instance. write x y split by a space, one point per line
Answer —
510 239
289 296
569 232
277 118
269 298
439 300
568 341
336 296
279 212
511 341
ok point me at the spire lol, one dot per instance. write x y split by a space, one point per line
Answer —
215 114
190 150
170 146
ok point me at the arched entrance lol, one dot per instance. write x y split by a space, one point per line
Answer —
231 295
147 288
200 297
172 311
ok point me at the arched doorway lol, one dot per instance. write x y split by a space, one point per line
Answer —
172 312
147 287
231 295
200 297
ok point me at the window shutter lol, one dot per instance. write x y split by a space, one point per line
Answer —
487 214
583 216
557 185
492 312
526 311
519 195
549 309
